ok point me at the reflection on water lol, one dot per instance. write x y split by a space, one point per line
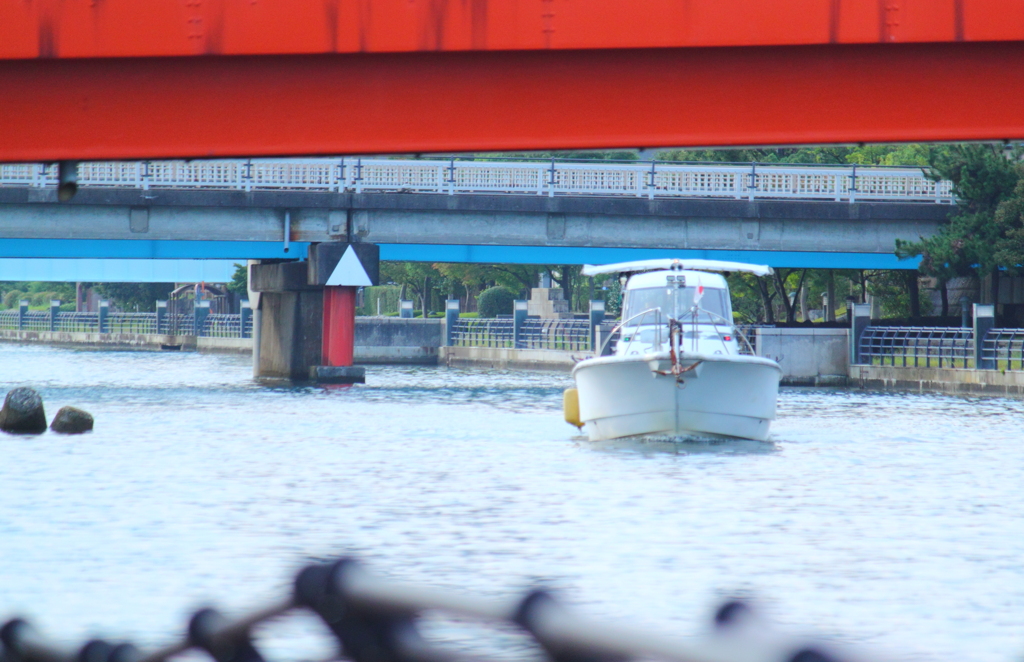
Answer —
891 519
683 445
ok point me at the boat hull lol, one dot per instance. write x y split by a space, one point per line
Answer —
621 396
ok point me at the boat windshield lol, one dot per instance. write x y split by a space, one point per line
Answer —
678 302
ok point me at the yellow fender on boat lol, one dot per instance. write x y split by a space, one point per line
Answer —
571 407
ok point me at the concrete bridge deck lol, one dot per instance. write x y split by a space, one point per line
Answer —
815 214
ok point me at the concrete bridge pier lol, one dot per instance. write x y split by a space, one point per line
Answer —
288 327
305 325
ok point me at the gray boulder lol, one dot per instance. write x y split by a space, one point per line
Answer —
23 412
71 420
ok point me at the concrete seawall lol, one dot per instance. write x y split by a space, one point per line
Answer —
136 341
396 340
808 356
100 340
378 340
503 358
943 380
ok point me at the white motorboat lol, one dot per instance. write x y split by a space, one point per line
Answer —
677 368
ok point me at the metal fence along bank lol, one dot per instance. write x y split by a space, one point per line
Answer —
980 346
521 331
591 334
199 323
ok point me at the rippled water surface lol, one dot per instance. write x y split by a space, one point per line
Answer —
891 520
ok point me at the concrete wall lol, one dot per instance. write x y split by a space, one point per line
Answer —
398 332
224 345
379 355
378 340
808 356
500 358
128 341
395 340
946 380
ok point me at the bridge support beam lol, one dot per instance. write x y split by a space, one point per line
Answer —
305 325
289 321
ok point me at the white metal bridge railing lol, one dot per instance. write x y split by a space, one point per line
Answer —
550 178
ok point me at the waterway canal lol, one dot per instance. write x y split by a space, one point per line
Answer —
892 520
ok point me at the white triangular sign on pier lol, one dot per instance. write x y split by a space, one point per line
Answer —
349 271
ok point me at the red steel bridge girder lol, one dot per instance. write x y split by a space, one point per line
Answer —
130 28
111 79
400 103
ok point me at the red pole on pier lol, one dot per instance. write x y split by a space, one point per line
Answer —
339 326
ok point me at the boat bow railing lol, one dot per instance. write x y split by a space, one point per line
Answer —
696 311
623 324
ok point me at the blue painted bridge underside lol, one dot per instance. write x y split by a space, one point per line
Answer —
585 255
241 250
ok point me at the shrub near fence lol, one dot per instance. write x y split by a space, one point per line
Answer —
387 295
495 301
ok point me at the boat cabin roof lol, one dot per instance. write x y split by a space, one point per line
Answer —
675 264
659 279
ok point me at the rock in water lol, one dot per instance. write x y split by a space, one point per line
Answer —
23 412
71 420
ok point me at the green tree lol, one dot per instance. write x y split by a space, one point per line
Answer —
38 293
788 285
416 278
611 290
12 297
1010 215
239 280
516 277
823 155
981 234
910 154
571 154
747 302
887 155
135 296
